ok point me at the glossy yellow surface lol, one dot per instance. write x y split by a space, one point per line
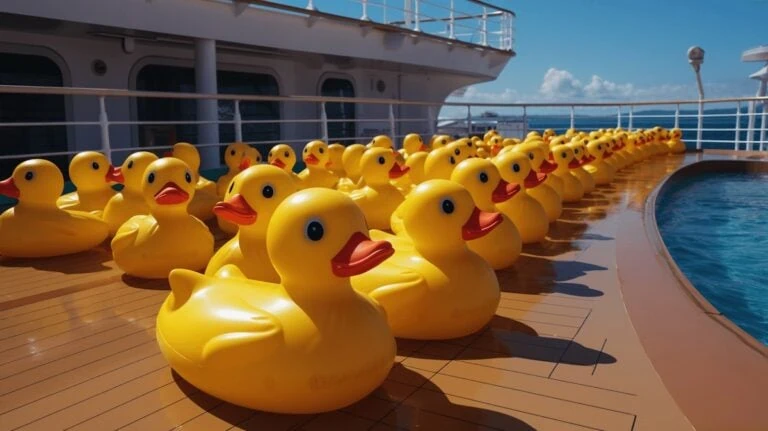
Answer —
545 193
379 197
335 163
205 197
415 165
252 198
307 345
502 246
435 287
93 176
130 200
412 144
36 226
440 163
526 213
675 143
150 246
601 171
585 178
573 189
316 174
235 159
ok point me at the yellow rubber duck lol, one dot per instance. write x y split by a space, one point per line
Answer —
526 213
36 226
675 143
601 171
335 163
379 198
412 144
439 163
545 193
573 189
130 201
351 161
502 246
316 174
437 288
235 158
490 133
283 156
92 175
205 196
150 246
580 154
310 344
415 164
440 141
459 150
249 204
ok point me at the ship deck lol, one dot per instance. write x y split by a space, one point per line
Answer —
78 347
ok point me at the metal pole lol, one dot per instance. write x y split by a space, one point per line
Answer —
324 121
485 27
431 119
469 120
207 109
384 11
407 13
762 126
700 124
738 127
311 5
618 117
677 116
238 123
416 15
451 21
525 121
104 125
365 10
631 114
573 117
392 123
750 126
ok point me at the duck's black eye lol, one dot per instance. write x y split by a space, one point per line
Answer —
381 160
306 149
516 167
563 154
231 186
29 175
232 152
447 206
267 192
457 151
188 177
95 166
599 147
286 154
130 164
483 177
314 230
530 156
151 178
321 150
271 154
452 160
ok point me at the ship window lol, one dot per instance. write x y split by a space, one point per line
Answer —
182 79
339 131
22 69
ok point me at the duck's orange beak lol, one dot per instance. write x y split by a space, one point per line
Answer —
398 171
607 154
114 175
311 160
236 210
504 191
8 188
423 148
279 163
244 164
534 179
573 164
171 194
360 254
479 224
547 167
495 149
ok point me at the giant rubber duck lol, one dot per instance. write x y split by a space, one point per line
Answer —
205 196
150 246
130 201
438 288
316 174
309 344
335 163
379 198
413 144
351 161
249 203
675 143
283 156
545 193
92 175
502 246
573 189
440 141
439 163
601 171
526 213
580 154
236 160
36 226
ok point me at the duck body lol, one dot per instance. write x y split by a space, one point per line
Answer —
378 199
129 201
316 157
36 226
92 175
565 159
235 159
586 179
527 214
549 200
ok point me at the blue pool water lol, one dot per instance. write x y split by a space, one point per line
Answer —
716 229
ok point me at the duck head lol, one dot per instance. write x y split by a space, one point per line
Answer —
515 168
676 133
412 143
482 180
317 239
315 155
440 141
133 170
168 186
440 215
536 155
496 144
188 154
597 149
351 160
565 158
34 182
283 157
91 171
379 165
459 150
235 157
381 141
253 157
335 163
487 136
439 164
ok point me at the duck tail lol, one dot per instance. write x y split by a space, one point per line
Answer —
183 283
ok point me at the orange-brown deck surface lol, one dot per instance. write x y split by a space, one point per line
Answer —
78 349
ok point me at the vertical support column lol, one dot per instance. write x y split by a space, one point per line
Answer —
485 27
207 109
392 128
737 136
525 121
631 114
700 124
311 5
432 120
324 122
416 26
238 123
677 116
469 120
618 117
384 12
573 117
451 23
750 126
762 126
106 148
407 13
365 10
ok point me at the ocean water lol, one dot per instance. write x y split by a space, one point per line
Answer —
715 229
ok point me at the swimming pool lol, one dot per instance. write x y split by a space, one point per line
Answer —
715 226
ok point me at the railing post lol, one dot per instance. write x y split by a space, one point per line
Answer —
365 10
384 11
311 5
392 130
750 125
416 18
762 126
700 124
485 26
631 114
451 22
238 123
677 116
525 121
324 122
469 120
573 117
104 125
738 127
618 117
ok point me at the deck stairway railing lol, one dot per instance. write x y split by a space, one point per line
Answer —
729 123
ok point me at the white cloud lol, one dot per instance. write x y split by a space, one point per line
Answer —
558 84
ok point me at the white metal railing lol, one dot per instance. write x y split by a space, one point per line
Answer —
723 123
470 21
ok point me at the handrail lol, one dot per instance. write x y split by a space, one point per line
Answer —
482 3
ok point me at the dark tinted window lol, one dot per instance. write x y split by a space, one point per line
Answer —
339 131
